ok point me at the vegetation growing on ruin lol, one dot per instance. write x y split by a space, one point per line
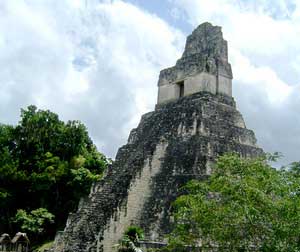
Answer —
245 204
130 239
46 165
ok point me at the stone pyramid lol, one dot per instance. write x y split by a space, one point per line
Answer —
195 120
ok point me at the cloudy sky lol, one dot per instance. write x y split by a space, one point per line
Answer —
98 61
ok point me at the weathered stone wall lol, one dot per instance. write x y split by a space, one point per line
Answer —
224 86
200 82
167 93
138 194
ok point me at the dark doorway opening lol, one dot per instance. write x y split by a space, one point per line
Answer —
181 88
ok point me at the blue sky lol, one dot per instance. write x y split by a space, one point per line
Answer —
98 61
166 11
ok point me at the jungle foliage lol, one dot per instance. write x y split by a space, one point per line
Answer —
246 205
46 165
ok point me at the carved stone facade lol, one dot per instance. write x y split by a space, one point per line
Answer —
177 142
203 67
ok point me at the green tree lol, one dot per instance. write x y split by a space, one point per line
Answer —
48 160
35 221
245 205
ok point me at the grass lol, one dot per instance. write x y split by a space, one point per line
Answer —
44 247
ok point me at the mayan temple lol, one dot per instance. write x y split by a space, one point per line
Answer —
194 121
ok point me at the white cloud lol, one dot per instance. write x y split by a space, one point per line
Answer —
248 25
88 60
262 78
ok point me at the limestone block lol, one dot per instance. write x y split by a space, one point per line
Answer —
168 93
224 85
200 82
